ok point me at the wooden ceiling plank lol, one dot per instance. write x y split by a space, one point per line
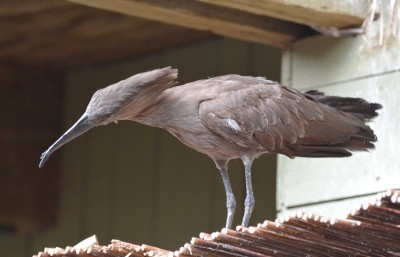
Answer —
131 45
77 34
203 16
326 13
42 40
21 7
76 50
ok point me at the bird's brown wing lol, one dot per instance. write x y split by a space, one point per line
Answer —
274 118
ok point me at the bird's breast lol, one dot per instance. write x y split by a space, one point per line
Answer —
208 142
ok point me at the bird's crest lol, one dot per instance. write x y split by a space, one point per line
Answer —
141 87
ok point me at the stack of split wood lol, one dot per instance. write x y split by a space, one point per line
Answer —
371 230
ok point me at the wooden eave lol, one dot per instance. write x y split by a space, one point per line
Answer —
272 22
65 34
60 35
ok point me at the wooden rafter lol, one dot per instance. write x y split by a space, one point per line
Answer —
273 22
209 17
325 13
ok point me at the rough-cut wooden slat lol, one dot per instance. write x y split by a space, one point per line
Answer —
327 13
245 244
299 235
202 16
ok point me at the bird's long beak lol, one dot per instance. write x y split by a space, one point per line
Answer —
80 127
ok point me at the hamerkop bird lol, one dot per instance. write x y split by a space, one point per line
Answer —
233 116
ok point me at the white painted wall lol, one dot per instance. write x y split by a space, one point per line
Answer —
364 66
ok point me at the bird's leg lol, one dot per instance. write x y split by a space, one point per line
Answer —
250 200
230 198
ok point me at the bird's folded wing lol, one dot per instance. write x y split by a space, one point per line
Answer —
263 116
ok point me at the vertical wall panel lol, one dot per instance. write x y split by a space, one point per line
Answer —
99 181
14 246
364 66
70 212
134 183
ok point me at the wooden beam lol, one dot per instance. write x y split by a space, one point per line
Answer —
203 16
324 13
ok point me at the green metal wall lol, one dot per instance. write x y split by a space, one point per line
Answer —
140 184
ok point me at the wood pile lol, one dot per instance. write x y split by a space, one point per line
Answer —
373 229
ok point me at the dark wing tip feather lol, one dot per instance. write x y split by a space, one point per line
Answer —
360 142
359 107
314 92
322 152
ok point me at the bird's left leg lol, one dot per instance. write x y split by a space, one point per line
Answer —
222 166
230 198
250 200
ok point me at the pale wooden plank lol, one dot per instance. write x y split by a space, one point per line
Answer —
359 66
320 61
200 16
307 180
287 66
327 13
335 208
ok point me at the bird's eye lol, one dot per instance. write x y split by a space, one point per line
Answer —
108 115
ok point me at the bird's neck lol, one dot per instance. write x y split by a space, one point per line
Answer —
156 114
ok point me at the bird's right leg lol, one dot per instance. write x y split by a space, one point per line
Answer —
230 198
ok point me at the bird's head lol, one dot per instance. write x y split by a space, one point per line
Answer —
119 101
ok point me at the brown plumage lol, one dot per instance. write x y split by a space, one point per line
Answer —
234 116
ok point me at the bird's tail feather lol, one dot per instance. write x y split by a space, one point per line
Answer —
360 108
336 150
363 140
